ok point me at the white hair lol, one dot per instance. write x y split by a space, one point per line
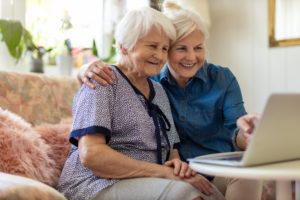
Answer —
137 23
185 20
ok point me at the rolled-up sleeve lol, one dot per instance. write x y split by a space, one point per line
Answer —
92 111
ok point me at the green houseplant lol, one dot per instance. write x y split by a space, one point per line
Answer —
18 40
15 37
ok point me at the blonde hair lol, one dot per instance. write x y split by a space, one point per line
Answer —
185 20
137 23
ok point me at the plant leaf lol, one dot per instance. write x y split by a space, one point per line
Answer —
11 34
94 48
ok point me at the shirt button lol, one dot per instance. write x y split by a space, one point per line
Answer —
182 118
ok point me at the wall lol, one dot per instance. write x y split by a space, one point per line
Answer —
239 40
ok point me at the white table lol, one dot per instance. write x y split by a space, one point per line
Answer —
283 173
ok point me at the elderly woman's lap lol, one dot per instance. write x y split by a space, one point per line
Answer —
153 188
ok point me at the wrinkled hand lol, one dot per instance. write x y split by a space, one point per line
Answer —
246 124
201 183
99 71
181 169
178 170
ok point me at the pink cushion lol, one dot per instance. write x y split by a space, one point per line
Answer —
24 151
57 137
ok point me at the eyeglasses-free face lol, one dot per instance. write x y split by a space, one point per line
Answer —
186 57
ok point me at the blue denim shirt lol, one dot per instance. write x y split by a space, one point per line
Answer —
205 112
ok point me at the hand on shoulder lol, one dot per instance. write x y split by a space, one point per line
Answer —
99 71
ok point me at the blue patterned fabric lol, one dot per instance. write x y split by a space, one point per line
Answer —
121 113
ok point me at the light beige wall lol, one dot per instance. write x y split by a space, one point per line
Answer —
239 40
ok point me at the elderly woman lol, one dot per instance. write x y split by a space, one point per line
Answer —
123 134
205 98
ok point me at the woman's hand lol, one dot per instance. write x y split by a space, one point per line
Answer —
246 124
183 172
99 71
201 183
198 181
181 169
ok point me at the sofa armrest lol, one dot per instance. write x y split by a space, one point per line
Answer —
21 188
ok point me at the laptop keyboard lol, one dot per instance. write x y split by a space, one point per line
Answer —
231 157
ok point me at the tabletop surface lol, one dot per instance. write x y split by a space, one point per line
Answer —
280 171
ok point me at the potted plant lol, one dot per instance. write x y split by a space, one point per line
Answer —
15 37
64 58
36 57
18 40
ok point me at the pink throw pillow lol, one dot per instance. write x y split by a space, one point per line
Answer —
23 151
57 137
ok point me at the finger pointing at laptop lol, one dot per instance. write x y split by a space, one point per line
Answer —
246 125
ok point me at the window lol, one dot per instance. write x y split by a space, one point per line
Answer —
84 21
284 18
44 19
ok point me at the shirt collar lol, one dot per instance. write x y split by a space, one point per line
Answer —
165 74
200 74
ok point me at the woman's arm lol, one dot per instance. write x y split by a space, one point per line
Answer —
108 163
233 106
99 71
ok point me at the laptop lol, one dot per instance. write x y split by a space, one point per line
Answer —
275 139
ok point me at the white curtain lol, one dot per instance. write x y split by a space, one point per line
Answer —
287 19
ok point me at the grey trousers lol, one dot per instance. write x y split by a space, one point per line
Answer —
154 188
237 189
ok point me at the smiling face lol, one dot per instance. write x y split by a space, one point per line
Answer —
186 57
150 53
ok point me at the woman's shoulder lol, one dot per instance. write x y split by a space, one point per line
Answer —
160 93
116 72
100 89
109 87
157 86
218 70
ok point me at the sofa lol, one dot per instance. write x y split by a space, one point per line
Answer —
35 120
